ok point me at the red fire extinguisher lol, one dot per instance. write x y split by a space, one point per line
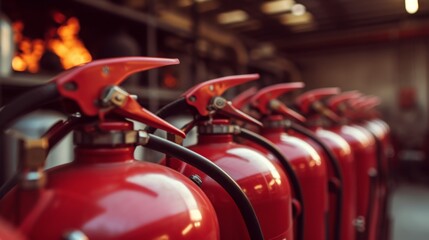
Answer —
380 129
363 148
310 167
362 112
263 181
277 119
104 193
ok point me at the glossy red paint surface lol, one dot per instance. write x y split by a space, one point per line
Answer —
7 232
264 183
311 170
107 195
363 148
342 151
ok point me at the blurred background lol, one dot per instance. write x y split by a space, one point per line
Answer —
379 47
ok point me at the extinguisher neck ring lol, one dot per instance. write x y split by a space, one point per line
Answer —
105 138
276 123
215 129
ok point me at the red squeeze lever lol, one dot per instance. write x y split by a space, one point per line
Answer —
311 99
356 103
206 97
242 99
87 84
343 97
306 99
370 102
266 100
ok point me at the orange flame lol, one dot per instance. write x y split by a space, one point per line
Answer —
30 51
66 45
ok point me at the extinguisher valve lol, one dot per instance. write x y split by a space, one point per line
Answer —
33 153
206 98
221 105
267 103
118 100
217 103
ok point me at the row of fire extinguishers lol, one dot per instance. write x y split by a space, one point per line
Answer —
258 169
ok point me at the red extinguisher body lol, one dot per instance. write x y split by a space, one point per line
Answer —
264 183
381 133
311 170
342 151
364 152
106 194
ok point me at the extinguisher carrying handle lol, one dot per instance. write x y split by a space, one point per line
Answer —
212 170
27 102
266 144
335 165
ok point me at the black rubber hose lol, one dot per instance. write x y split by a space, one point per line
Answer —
8 185
293 178
212 170
58 131
27 102
335 165
176 107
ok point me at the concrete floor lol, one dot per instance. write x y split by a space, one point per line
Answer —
410 212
